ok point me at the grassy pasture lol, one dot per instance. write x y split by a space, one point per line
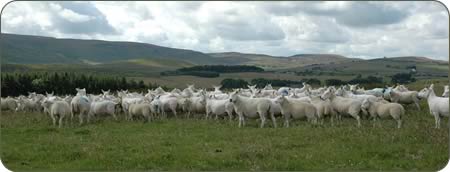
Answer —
29 142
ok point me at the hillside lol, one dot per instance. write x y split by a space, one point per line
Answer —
278 62
44 50
32 53
425 67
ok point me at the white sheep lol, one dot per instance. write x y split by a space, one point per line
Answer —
438 105
166 103
58 109
324 108
197 104
219 108
80 105
140 109
446 91
28 105
250 108
104 107
296 109
9 104
343 105
406 97
383 110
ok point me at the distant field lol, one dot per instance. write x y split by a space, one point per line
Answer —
181 81
29 142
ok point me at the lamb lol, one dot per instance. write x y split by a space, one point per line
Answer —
406 97
296 110
342 105
140 109
58 109
438 105
446 90
250 108
383 110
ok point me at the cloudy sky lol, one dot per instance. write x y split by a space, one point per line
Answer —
354 29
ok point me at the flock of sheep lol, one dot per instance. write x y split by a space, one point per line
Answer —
313 104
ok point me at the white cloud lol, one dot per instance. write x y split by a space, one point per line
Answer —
74 17
356 29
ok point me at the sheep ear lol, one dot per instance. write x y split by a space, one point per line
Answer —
431 86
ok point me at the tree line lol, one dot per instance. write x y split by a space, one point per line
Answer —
14 84
212 71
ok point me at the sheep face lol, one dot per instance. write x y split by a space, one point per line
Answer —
424 93
233 97
365 104
327 94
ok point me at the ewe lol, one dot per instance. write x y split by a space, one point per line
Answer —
406 97
296 109
342 105
250 108
9 104
80 105
438 105
219 107
383 110
140 109
103 107
323 108
58 109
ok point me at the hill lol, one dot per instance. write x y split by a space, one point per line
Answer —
24 49
425 67
29 53
279 62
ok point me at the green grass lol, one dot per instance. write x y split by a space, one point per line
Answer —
29 142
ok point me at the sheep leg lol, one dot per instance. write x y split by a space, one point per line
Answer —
114 116
274 120
331 120
417 104
61 117
231 116
263 120
80 117
399 123
241 119
374 120
174 111
53 118
89 115
436 120
286 121
207 114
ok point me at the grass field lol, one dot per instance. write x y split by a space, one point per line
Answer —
29 142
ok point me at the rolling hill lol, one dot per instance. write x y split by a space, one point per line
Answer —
24 49
279 62
30 53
